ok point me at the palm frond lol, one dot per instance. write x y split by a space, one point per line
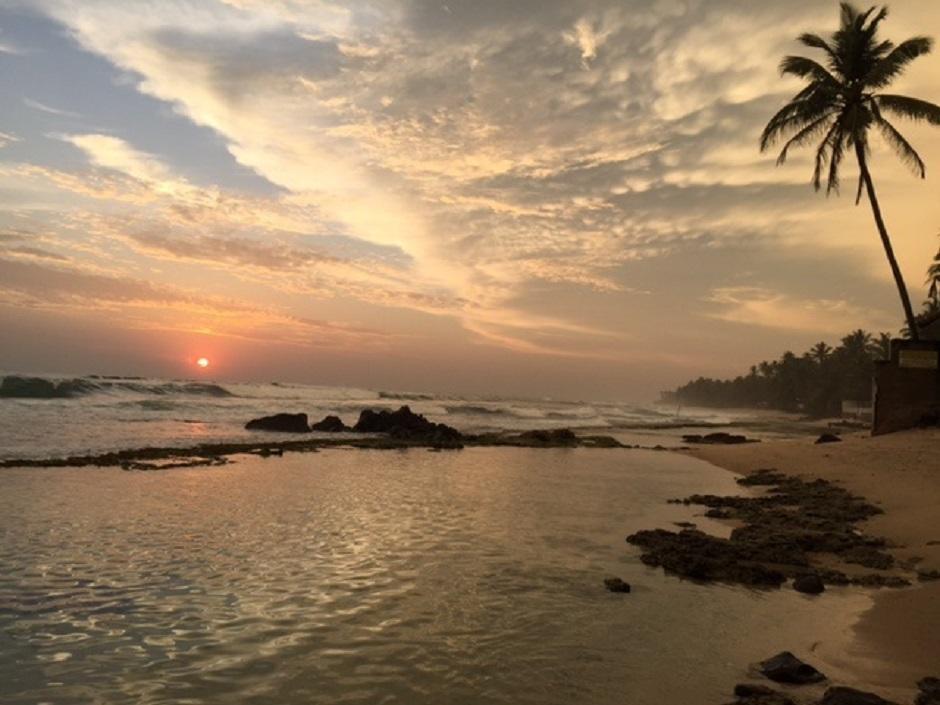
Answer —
803 67
892 65
910 108
805 135
822 155
835 160
902 147
797 114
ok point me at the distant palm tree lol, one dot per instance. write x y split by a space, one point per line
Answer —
842 102
820 352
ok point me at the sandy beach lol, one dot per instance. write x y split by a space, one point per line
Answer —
901 474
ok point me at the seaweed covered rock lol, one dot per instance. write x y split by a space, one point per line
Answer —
779 532
929 691
750 694
282 423
553 437
811 584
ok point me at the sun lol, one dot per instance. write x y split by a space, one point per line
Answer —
203 362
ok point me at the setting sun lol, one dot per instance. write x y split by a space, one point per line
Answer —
203 362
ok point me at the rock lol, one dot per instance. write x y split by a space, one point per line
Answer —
928 575
554 437
749 690
810 583
841 695
330 424
929 691
616 585
787 668
719 437
406 425
828 438
284 423
750 694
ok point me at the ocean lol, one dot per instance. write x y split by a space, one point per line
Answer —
57 416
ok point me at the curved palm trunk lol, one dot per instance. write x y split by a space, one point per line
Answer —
885 240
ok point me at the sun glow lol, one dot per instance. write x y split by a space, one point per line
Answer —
203 362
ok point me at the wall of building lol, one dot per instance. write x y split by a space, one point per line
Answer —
907 387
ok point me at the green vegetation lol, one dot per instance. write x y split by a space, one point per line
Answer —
816 382
842 102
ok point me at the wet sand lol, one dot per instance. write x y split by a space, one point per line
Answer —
898 639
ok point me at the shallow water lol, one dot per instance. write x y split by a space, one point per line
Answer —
378 577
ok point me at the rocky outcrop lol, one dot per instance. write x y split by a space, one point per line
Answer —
330 424
779 532
787 668
750 694
406 425
718 438
282 423
929 691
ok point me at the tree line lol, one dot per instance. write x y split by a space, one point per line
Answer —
815 382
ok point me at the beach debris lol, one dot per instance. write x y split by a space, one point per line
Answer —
811 584
787 668
828 438
330 424
841 695
616 585
718 438
929 691
282 423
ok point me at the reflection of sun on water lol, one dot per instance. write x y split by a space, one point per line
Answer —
203 362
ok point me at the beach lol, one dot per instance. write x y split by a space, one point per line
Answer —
898 640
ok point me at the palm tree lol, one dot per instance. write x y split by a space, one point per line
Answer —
842 102
820 352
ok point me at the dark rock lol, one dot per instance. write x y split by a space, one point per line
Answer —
828 438
554 437
869 557
749 690
810 583
406 425
927 575
841 695
750 694
876 580
616 585
330 424
284 423
929 691
684 524
787 668
719 437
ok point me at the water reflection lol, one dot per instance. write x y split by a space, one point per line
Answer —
364 577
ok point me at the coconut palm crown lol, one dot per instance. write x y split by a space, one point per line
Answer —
843 102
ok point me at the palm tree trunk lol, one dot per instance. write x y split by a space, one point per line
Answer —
886 241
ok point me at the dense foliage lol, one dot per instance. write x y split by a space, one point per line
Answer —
816 382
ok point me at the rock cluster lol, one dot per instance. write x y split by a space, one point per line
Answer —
779 531
404 424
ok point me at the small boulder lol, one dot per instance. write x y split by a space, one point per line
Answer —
828 438
616 585
283 423
551 437
717 438
749 690
841 695
750 694
929 691
810 583
787 668
330 424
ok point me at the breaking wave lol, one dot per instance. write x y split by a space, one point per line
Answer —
18 387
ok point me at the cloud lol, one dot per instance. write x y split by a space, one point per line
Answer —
755 306
48 109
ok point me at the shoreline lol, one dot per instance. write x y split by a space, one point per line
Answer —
898 639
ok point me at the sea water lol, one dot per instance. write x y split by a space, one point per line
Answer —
352 576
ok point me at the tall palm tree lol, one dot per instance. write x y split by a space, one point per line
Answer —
842 102
820 352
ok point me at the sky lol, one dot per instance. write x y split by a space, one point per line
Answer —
556 198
